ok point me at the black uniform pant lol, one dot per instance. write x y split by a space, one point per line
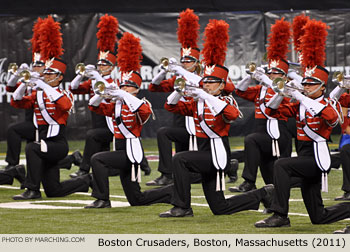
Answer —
304 167
6 177
343 159
42 167
98 140
258 153
102 162
201 162
15 134
165 137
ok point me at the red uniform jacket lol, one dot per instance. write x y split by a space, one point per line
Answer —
344 101
219 124
58 110
253 94
319 123
132 121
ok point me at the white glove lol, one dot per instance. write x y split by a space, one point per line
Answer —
174 98
24 66
76 82
260 76
90 71
197 93
275 101
19 92
13 80
243 84
51 92
159 77
95 100
118 93
132 101
337 92
292 74
314 107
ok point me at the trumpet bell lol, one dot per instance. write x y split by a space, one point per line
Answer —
164 61
278 84
25 74
250 67
80 67
338 76
99 87
13 67
180 85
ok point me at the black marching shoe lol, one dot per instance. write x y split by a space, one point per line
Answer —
160 181
232 171
274 220
99 204
7 167
27 195
345 196
246 186
177 212
343 231
77 158
78 173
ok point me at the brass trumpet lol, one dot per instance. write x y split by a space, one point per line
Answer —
13 67
28 78
279 85
250 68
101 89
341 80
181 86
80 67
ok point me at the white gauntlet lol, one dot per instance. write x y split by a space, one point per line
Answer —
95 100
243 84
336 93
76 82
174 98
159 77
275 101
19 93
13 80
314 107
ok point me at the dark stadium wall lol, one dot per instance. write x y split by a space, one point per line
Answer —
157 31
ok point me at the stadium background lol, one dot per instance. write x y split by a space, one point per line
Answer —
155 23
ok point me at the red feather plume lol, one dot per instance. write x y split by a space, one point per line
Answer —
36 35
298 31
215 42
188 29
107 34
50 39
279 40
313 43
129 53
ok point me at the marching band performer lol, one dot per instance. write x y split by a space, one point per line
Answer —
343 157
27 129
271 138
212 114
128 113
315 116
100 136
51 107
182 132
